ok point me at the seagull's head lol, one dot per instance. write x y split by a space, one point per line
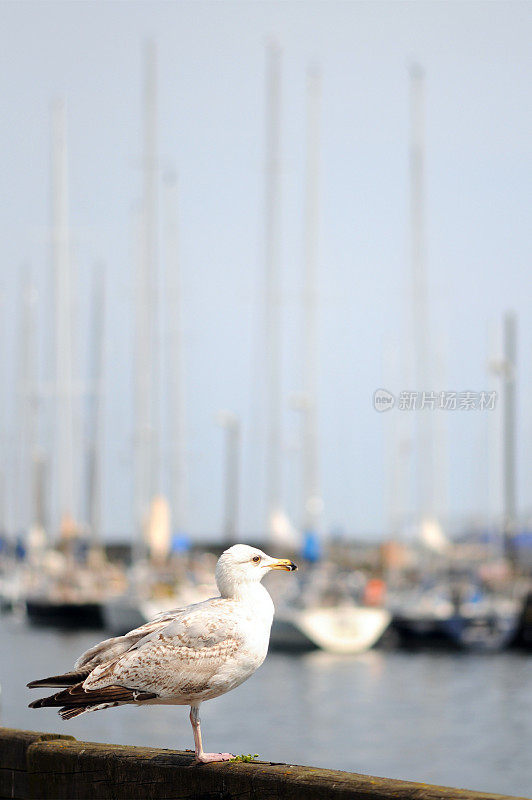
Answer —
242 564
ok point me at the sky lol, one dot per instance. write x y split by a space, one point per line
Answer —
211 115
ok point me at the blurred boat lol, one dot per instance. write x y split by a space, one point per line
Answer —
76 614
123 614
523 637
487 624
11 590
155 588
66 593
330 609
345 629
70 605
469 620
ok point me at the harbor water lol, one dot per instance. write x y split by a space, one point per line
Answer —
446 718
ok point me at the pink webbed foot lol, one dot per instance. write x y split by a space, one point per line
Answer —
206 758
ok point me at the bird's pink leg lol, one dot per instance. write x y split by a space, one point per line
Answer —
201 757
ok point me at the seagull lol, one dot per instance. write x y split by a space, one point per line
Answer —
182 657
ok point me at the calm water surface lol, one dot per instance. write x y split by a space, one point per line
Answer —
459 720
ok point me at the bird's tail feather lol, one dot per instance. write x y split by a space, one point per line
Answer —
70 713
67 712
67 679
76 700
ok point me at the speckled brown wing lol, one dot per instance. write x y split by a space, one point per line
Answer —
110 648
104 652
179 661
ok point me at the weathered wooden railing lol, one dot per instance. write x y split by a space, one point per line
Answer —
48 766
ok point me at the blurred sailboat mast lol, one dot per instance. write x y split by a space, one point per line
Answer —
151 262
64 418
311 491
509 483
272 287
95 410
176 415
146 341
28 408
231 425
420 315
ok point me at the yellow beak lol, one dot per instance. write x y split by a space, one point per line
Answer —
283 563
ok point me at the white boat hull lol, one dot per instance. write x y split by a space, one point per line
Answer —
342 629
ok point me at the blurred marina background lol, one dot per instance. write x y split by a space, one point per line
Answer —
265 278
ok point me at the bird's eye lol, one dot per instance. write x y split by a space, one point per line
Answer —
256 559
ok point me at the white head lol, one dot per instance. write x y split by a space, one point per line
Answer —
243 565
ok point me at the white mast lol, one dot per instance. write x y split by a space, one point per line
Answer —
421 332
505 367
95 410
509 428
231 425
312 501
398 445
151 265
176 405
272 287
146 340
27 406
64 420
495 366
141 385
